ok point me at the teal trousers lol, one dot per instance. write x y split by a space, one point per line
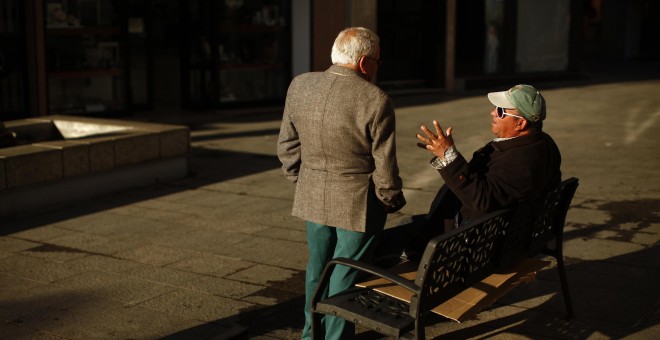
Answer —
325 243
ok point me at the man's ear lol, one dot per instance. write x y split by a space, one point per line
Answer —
362 66
523 124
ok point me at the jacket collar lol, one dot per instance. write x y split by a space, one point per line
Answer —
344 71
518 141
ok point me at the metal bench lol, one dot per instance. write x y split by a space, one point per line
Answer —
451 263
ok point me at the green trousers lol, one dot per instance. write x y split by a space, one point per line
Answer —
325 243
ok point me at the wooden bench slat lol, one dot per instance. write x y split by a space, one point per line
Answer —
468 302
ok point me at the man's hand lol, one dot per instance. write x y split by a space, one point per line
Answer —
436 143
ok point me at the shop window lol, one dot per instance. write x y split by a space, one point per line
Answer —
84 51
239 53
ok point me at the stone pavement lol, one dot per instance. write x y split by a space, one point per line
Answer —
217 254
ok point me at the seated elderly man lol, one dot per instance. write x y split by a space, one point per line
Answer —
520 163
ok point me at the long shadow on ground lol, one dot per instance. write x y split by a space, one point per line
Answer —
207 166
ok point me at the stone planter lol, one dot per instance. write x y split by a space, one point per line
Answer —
60 159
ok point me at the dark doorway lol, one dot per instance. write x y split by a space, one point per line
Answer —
470 38
650 30
412 43
166 41
13 71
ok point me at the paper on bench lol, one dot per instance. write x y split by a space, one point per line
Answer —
470 301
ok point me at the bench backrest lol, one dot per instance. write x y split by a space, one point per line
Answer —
456 260
537 222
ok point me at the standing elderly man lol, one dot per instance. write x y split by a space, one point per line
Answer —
520 163
337 144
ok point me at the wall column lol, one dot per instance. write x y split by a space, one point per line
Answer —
450 47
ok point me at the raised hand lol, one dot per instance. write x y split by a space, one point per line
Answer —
437 142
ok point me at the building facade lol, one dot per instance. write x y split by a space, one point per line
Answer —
107 57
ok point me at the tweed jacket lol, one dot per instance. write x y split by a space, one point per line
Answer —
503 173
337 144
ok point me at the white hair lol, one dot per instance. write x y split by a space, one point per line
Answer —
353 43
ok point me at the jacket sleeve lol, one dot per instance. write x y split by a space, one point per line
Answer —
288 147
483 190
386 174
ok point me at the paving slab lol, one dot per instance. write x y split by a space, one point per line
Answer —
136 322
42 234
262 274
234 289
110 286
53 253
13 244
103 263
155 255
213 265
96 244
281 253
198 306
37 269
19 331
599 249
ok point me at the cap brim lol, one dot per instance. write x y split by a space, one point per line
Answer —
500 99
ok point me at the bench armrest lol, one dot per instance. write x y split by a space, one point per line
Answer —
361 266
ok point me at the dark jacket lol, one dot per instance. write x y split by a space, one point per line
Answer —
503 173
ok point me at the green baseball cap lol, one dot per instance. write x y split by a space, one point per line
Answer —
524 98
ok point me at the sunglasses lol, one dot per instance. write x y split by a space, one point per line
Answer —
501 113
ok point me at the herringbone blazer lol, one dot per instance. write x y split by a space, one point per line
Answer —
337 144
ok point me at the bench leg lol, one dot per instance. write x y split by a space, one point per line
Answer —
564 285
318 331
420 332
